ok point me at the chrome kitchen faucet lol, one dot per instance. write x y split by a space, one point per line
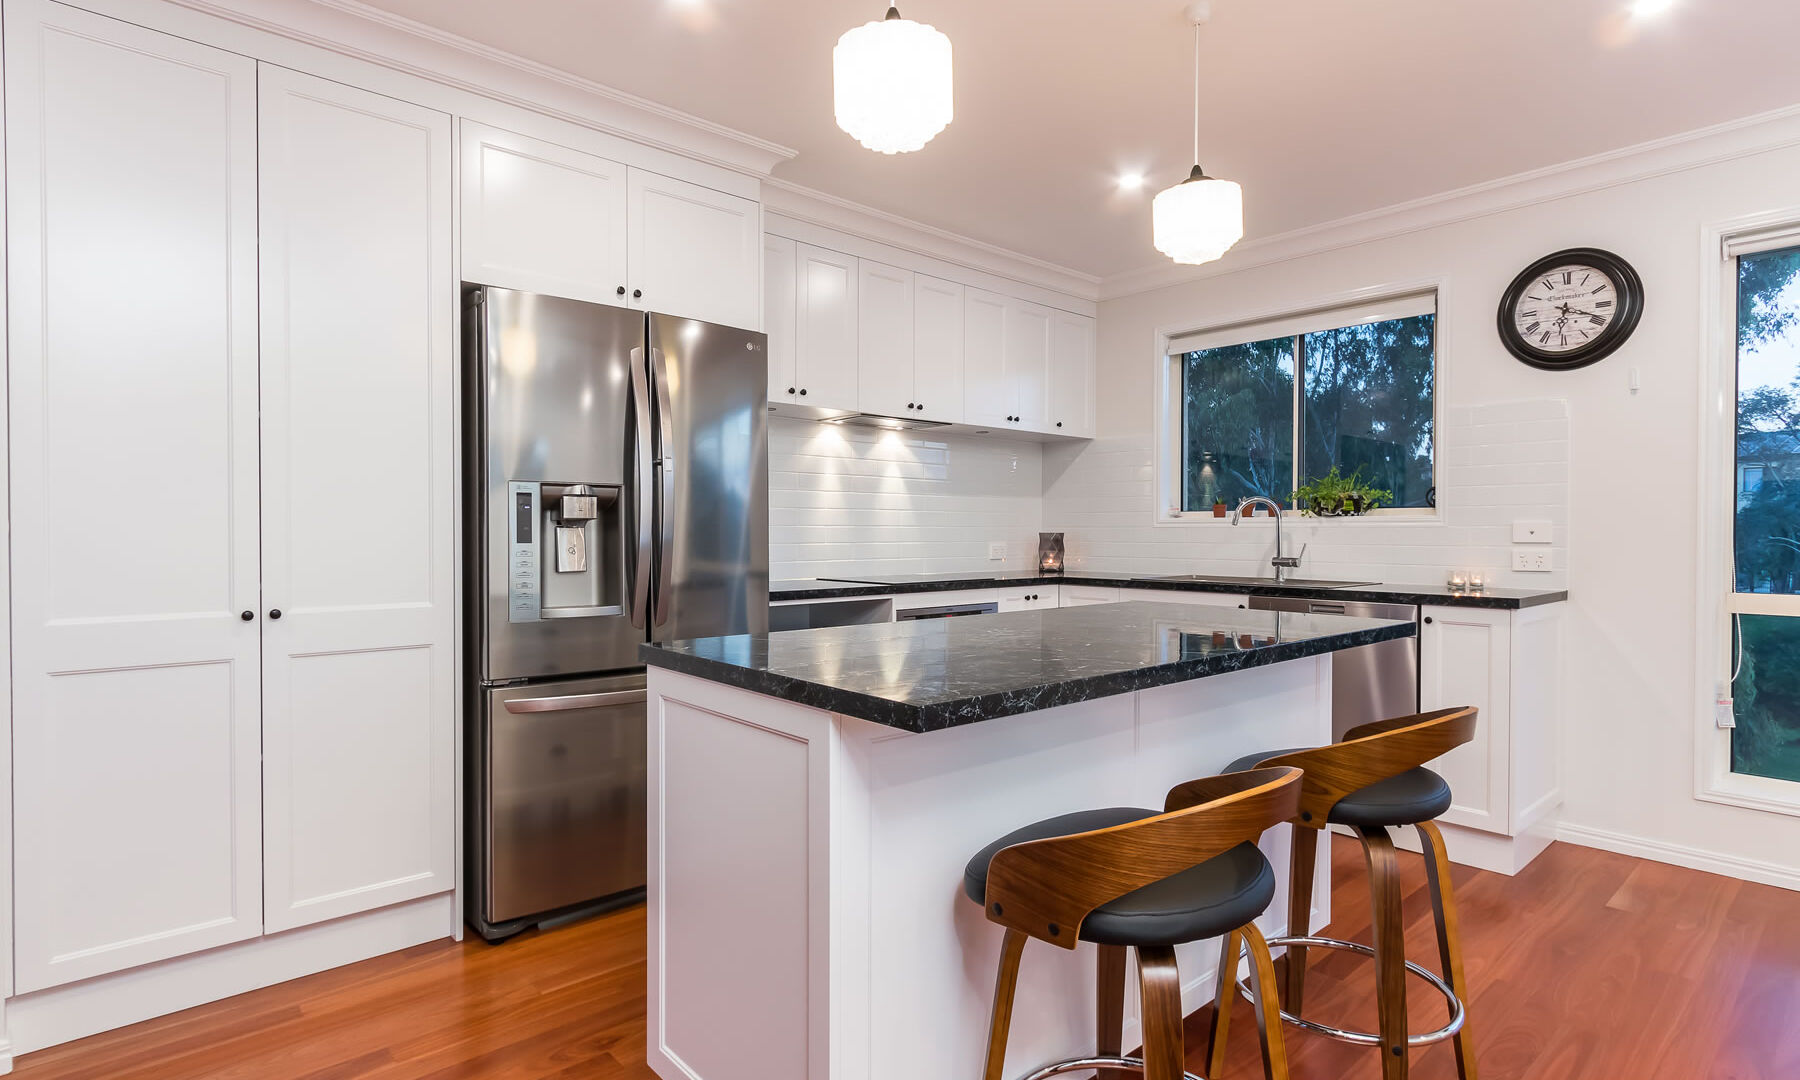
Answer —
1280 562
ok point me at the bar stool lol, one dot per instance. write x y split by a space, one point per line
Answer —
1370 780
1130 878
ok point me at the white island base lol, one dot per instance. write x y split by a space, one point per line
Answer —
806 913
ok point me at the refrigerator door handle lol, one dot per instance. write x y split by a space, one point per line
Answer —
576 701
641 492
665 464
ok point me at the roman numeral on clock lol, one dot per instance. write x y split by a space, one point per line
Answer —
1533 328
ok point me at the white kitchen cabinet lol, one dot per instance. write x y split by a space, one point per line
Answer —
1508 665
693 251
131 252
1006 362
884 334
358 504
937 349
1029 598
825 335
1073 386
542 218
780 274
1184 596
1085 595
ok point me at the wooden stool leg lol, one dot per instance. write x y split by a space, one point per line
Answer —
1005 983
1159 987
1300 896
1268 1006
1111 996
1390 949
1449 936
1224 996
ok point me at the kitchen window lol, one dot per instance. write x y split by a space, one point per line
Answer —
1762 662
1261 408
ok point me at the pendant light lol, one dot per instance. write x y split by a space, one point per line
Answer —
893 84
1199 219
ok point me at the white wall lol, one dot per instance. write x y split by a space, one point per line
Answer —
1629 740
854 500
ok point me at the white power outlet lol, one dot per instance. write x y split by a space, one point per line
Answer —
997 551
1531 562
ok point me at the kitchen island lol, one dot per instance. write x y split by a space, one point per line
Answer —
814 795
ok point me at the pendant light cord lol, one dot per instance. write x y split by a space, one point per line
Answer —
1196 93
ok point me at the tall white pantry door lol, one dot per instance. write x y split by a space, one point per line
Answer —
359 526
131 251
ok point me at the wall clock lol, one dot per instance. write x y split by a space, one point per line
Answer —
1571 308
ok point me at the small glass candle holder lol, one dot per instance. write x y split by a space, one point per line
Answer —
1477 581
1458 581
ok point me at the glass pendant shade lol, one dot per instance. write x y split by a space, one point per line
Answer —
893 84
1199 219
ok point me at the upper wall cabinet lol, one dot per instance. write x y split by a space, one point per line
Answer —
1073 389
937 360
780 314
884 332
131 241
541 218
825 331
544 218
1006 363
694 252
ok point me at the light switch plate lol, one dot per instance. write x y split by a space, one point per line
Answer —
997 551
1531 562
1531 532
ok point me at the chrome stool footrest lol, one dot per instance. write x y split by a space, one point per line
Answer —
1086 1063
1363 1038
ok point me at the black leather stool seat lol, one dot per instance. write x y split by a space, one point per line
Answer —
1415 795
1201 902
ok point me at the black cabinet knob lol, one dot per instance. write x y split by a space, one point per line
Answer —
921 408
637 294
246 615
790 389
275 613
1059 423
621 290
1427 620
909 404
803 392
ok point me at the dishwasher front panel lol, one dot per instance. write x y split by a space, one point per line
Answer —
564 820
1373 682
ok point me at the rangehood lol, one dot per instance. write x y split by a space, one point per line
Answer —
891 423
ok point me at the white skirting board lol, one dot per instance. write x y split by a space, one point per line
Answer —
1765 873
65 1013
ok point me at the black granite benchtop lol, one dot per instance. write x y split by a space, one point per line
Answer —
935 674
1434 595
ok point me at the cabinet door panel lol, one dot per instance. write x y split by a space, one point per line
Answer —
695 252
825 346
358 511
1028 363
131 176
938 349
1071 374
542 218
779 273
988 396
1465 659
884 332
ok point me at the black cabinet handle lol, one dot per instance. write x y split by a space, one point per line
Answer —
621 290
1059 423
275 613
909 404
803 393
247 615
921 408
1427 620
637 294
790 389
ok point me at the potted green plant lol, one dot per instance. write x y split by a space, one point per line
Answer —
1219 508
1336 495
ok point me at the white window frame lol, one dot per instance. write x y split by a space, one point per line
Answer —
1720 245
1376 304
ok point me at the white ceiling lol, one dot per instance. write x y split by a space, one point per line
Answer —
1320 108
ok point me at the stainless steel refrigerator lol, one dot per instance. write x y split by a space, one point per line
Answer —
617 492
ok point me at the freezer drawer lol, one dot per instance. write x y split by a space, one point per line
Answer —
564 820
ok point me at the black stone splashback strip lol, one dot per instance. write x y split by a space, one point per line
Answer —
931 675
1436 596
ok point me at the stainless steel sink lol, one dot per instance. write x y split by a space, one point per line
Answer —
1295 583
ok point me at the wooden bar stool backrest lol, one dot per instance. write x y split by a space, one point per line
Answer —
1371 753
1047 888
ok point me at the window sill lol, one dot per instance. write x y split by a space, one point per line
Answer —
1294 517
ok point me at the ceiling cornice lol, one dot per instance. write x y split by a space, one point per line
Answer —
370 34
844 215
1755 134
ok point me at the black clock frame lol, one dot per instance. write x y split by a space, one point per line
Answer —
1630 309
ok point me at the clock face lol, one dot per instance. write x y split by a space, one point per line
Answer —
1571 308
1567 309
